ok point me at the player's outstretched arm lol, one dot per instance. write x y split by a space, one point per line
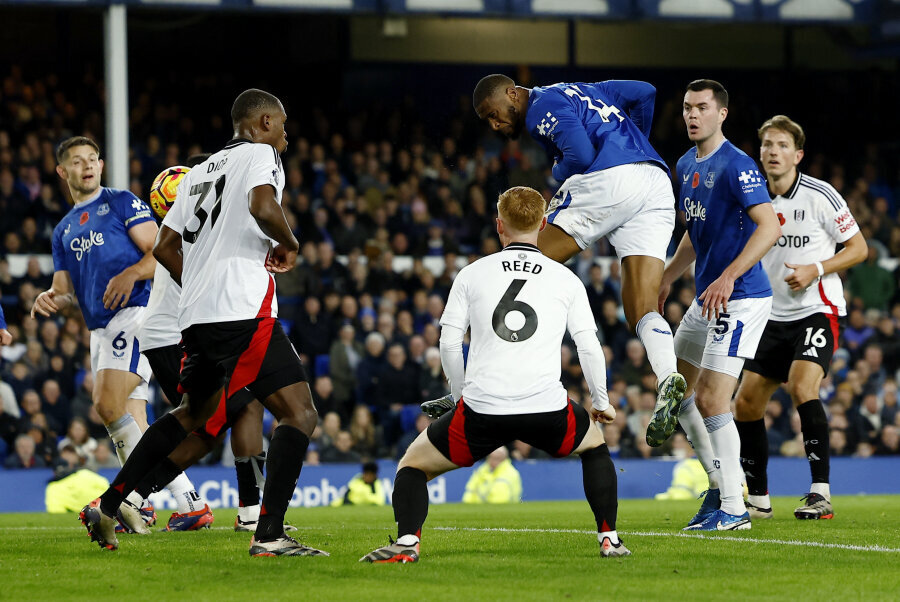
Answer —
119 288
715 297
268 214
683 258
167 251
58 296
855 251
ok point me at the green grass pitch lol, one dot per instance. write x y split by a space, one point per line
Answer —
532 551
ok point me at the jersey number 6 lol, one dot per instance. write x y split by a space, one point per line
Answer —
509 304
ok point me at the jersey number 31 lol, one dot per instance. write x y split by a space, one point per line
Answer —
203 188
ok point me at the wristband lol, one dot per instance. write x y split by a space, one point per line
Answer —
821 268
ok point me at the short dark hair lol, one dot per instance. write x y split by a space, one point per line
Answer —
370 467
249 102
718 90
488 85
63 149
197 159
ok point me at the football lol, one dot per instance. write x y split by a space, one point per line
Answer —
162 193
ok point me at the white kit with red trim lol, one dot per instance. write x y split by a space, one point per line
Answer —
224 277
814 218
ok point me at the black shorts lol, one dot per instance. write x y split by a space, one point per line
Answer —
255 354
811 339
464 436
166 365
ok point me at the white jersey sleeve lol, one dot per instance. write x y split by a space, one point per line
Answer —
456 311
264 168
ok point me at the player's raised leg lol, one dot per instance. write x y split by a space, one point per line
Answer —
750 409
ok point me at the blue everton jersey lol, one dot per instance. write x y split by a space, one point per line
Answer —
716 192
590 127
92 243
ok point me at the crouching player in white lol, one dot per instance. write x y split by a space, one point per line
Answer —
102 252
803 330
519 304
730 226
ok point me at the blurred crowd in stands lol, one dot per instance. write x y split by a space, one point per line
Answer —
386 217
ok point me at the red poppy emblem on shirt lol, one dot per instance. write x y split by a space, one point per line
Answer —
83 219
781 219
696 181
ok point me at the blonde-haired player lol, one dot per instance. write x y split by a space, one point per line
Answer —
519 305
803 329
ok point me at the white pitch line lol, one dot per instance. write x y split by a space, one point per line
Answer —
716 537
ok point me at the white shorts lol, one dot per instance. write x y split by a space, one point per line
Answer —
632 205
722 345
116 348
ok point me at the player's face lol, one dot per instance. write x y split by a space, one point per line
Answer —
81 169
502 115
277 133
702 115
778 153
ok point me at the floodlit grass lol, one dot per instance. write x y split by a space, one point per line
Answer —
533 551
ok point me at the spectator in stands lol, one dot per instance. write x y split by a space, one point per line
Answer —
496 481
345 355
889 442
311 332
636 365
365 435
340 451
24 456
364 489
368 372
54 405
398 386
432 383
873 284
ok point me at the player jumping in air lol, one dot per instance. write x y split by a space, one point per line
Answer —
803 329
220 240
519 305
102 254
614 184
730 226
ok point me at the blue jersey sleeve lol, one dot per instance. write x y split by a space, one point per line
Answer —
2 320
567 133
746 183
132 210
636 98
59 253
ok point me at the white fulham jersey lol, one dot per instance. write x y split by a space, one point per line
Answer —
160 328
519 304
224 278
814 218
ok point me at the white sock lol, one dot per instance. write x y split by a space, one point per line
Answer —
726 445
186 497
823 489
692 422
656 335
249 514
613 536
125 434
760 501
408 540
135 498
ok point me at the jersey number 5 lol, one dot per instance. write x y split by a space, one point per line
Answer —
203 188
509 304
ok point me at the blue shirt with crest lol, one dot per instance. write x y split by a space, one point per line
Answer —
715 193
590 127
92 243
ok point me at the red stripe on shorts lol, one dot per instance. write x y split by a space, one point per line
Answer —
217 420
181 389
833 316
248 365
265 310
460 454
569 440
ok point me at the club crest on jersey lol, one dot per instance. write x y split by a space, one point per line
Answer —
82 220
103 209
695 181
799 214
710 179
